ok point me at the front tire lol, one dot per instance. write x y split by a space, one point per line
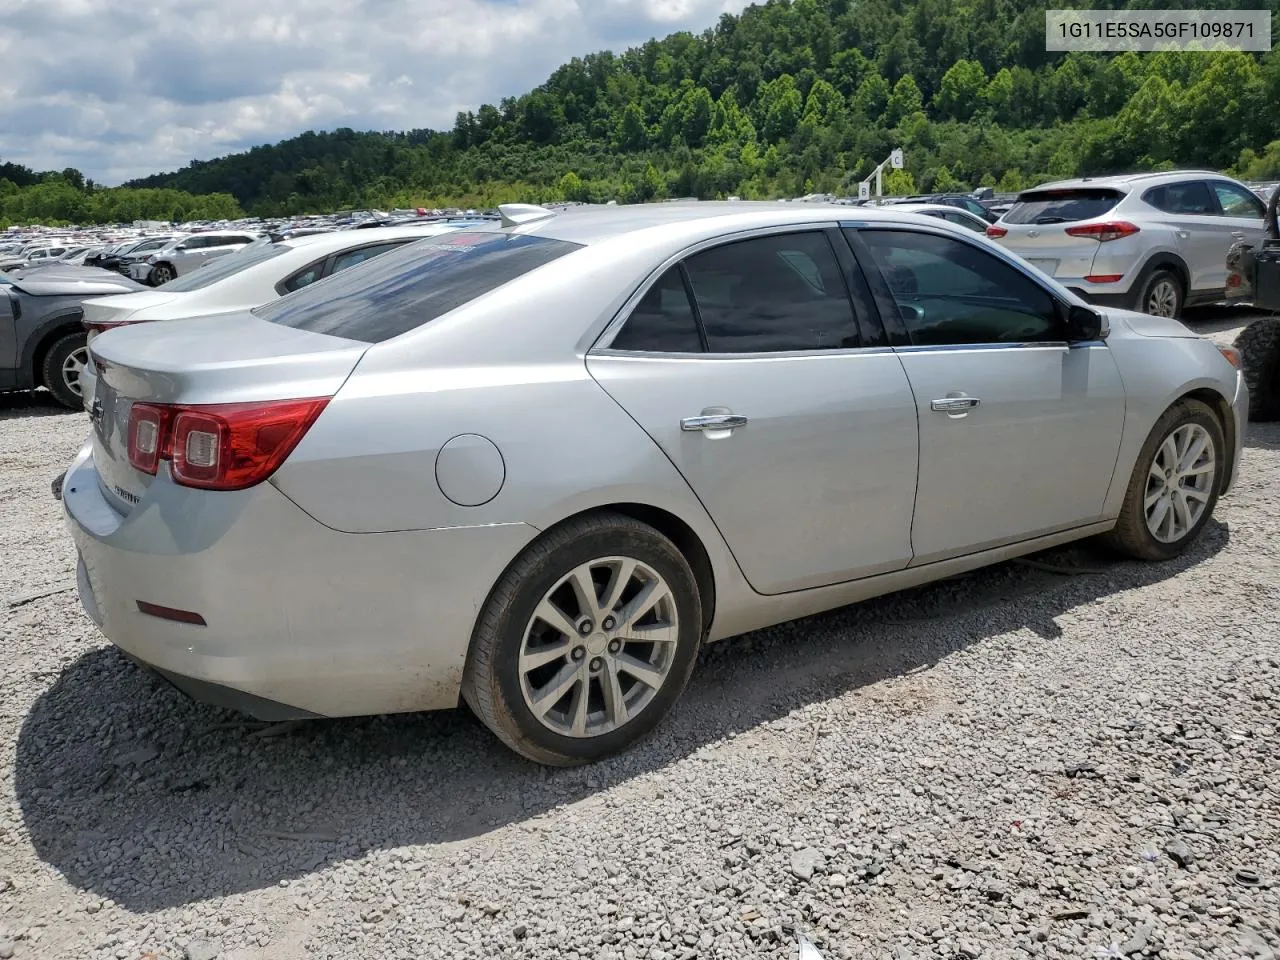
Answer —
1162 295
63 365
586 641
1259 346
161 274
1175 484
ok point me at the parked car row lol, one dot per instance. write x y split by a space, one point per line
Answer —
535 464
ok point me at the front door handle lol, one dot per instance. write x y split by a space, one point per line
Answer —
720 421
954 404
1238 234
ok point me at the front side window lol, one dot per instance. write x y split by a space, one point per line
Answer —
414 285
951 292
349 259
1236 201
663 321
772 294
978 226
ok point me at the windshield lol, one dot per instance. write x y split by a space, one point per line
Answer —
260 251
1062 206
406 288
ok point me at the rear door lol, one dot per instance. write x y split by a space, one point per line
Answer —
1191 210
1036 228
8 332
1019 431
774 394
1243 216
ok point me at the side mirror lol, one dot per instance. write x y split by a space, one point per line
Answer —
1084 324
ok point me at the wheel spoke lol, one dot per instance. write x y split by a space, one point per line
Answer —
555 618
1194 450
1207 467
1152 498
584 588
652 633
1169 452
1182 513
644 601
1191 493
622 575
581 698
1157 516
1155 473
533 659
551 694
615 704
646 673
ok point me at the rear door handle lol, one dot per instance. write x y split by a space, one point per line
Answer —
954 404
722 421
1238 234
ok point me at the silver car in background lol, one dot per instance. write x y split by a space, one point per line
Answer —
536 467
1153 242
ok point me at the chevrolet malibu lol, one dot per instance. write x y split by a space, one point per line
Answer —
534 468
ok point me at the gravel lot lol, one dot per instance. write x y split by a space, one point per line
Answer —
1078 759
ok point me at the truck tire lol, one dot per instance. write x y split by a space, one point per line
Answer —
1259 346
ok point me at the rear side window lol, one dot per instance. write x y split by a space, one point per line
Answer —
414 285
663 321
1062 206
1192 197
773 294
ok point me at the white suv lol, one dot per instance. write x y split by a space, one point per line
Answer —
1152 242
184 254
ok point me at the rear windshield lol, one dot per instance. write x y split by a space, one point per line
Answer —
1062 206
257 252
398 291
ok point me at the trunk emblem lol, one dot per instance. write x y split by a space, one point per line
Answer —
1033 233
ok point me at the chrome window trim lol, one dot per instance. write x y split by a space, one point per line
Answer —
602 347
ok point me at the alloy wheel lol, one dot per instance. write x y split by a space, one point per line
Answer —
599 647
1162 299
73 368
1180 482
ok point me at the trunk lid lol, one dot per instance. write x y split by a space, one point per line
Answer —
1037 227
119 308
227 358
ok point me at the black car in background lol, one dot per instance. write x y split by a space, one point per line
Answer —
114 258
42 341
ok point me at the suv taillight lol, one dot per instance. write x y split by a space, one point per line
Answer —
995 233
1102 232
227 446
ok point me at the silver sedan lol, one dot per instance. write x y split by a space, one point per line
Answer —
534 466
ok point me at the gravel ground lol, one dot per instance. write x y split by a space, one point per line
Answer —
1025 762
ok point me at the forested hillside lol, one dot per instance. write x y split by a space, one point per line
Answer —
796 96
790 97
66 197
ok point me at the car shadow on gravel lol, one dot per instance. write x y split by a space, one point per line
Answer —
138 795
31 403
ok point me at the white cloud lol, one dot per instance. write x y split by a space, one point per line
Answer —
124 88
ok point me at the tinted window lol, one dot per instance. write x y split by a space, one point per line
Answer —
951 292
977 226
773 294
1192 197
303 278
1237 201
223 267
662 321
411 286
349 259
1062 206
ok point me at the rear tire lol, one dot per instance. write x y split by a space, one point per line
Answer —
565 695
1169 484
1162 295
1259 346
60 373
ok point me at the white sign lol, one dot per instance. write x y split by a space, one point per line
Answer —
864 191
895 159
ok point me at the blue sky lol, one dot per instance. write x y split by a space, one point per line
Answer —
124 88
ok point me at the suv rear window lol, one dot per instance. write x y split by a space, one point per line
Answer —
406 288
1062 206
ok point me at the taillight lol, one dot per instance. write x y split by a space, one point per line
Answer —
148 426
995 233
1102 232
93 328
228 446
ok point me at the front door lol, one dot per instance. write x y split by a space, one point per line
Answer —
744 364
1019 432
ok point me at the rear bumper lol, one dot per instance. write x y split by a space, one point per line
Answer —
300 620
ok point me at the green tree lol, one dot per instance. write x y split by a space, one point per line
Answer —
780 107
872 97
960 93
906 101
632 133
